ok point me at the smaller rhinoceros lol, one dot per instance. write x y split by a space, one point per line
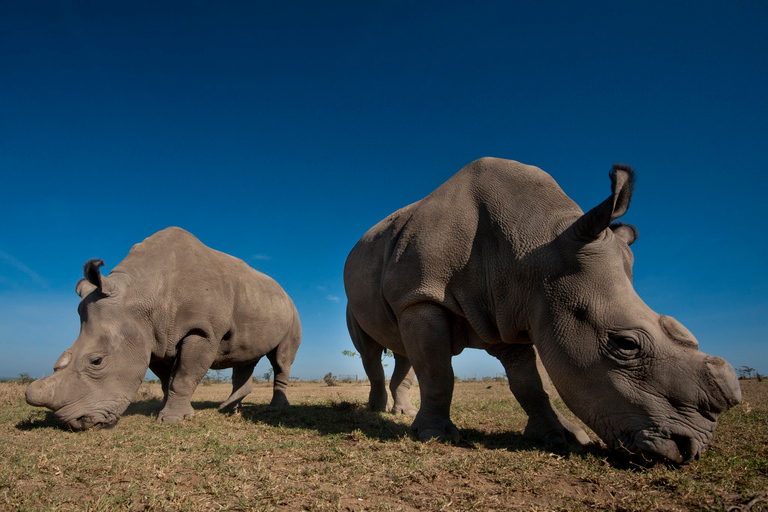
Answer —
176 307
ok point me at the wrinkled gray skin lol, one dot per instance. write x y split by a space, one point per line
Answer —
499 258
179 308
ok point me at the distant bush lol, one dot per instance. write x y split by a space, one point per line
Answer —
746 372
214 377
330 379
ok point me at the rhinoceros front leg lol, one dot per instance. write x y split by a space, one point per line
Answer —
163 372
193 359
400 385
426 333
545 423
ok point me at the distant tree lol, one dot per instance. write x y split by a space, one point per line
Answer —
24 378
214 377
745 372
330 379
268 375
349 353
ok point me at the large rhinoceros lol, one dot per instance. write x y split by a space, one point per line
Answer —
179 308
499 258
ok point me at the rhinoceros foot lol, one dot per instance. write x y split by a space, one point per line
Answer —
175 414
377 398
279 399
404 408
561 435
442 430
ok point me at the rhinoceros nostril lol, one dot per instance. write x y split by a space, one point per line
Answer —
685 446
705 412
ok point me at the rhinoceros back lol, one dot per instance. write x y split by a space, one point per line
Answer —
449 247
193 287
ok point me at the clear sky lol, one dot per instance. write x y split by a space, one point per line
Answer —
279 132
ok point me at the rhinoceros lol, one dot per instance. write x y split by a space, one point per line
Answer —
176 307
499 258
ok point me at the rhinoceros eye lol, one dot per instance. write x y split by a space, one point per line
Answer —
623 346
96 361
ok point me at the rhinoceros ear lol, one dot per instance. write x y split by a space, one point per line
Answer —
626 232
84 288
595 221
93 279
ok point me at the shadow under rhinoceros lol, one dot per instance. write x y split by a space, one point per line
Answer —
326 419
149 407
348 417
47 421
517 442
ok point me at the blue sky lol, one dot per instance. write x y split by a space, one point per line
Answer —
280 132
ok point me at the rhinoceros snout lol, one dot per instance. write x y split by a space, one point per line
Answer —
725 390
39 393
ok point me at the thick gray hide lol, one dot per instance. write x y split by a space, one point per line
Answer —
179 308
499 258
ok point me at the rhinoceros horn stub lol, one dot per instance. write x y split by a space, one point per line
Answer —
595 221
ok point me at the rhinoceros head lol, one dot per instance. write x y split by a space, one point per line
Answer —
98 376
635 377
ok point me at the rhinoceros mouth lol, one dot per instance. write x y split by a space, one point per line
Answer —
94 421
74 418
89 422
661 445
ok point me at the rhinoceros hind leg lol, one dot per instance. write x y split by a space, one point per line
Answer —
426 331
242 385
545 424
281 359
400 386
370 352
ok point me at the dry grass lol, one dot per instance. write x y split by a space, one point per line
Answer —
327 452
